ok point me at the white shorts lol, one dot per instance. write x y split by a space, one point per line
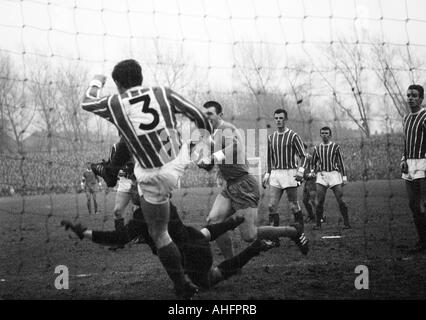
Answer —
283 178
156 184
329 179
416 169
125 185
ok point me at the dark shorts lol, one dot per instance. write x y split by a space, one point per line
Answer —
90 189
243 192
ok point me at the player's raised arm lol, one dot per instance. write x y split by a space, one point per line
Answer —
340 164
93 102
181 105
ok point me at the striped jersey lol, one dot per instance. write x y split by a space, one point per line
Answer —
328 157
283 147
415 135
146 120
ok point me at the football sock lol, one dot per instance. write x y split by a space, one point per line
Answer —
170 258
298 218
224 242
217 229
119 224
109 237
231 266
274 219
344 213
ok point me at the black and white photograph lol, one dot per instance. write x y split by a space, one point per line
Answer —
212 151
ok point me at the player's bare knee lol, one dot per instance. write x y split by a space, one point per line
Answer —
294 206
271 208
249 237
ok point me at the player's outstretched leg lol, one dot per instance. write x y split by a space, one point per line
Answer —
233 265
215 230
294 232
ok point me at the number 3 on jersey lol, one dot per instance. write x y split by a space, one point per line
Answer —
149 113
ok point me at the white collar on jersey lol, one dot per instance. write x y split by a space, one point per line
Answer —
326 144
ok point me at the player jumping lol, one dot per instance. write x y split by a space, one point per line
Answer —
146 120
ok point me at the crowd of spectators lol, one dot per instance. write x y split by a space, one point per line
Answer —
60 172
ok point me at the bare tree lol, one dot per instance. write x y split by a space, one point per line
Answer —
18 115
170 66
395 68
44 94
349 64
70 84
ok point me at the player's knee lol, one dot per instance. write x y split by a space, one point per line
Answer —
215 218
249 237
118 213
294 206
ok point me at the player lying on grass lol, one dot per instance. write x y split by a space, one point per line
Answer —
192 243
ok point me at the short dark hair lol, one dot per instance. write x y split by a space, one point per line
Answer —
419 88
128 73
326 128
305 145
277 111
214 104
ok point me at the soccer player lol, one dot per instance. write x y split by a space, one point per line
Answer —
309 188
192 243
89 183
240 193
126 189
284 174
413 163
330 171
146 120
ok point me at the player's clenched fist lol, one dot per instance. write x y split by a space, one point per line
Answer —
98 80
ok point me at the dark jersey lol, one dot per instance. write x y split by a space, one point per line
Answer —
89 178
227 139
146 120
415 135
